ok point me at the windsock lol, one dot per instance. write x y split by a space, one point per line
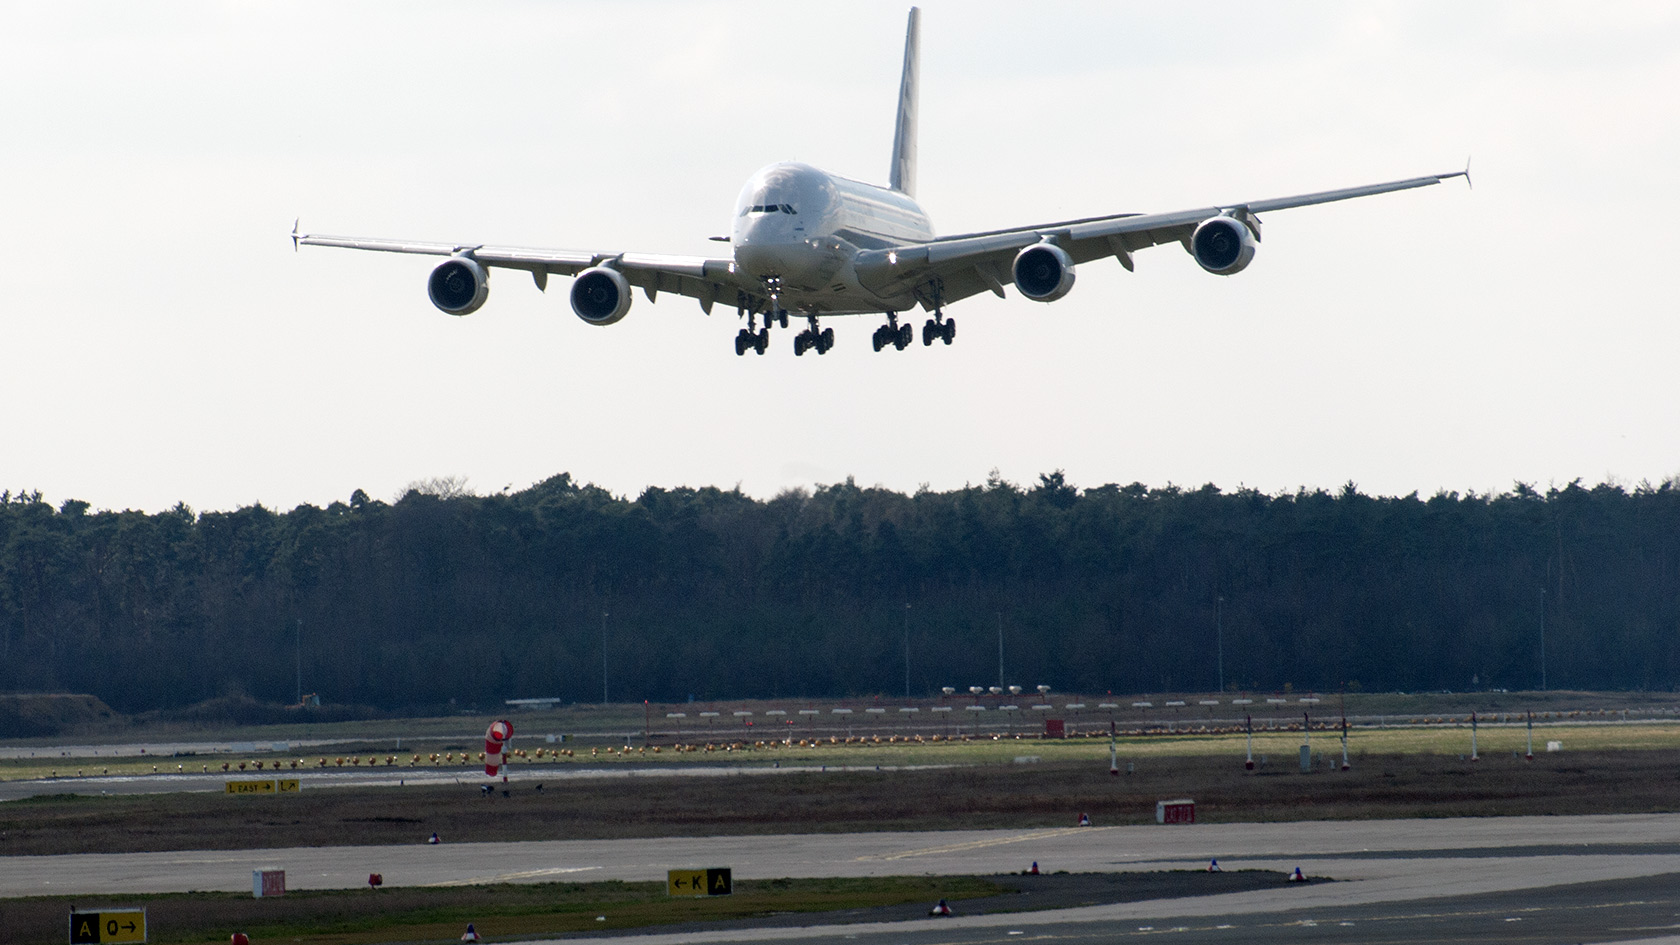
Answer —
495 738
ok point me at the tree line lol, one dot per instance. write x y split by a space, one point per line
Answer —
444 598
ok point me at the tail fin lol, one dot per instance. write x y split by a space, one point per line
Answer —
903 176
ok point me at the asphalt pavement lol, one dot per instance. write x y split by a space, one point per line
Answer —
1517 880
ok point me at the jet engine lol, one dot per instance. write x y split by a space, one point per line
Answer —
600 296
459 286
1043 272
1223 245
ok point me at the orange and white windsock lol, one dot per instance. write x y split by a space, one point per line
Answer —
495 739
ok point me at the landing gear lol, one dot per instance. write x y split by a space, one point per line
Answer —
778 316
892 333
819 339
753 338
945 331
755 341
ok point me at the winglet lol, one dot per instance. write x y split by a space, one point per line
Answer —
903 175
295 222
1467 181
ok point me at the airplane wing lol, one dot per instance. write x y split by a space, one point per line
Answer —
698 277
971 263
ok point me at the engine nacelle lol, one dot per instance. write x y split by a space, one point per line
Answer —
1223 245
459 286
600 296
1043 272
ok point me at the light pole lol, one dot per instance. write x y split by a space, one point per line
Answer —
1000 647
1219 636
300 660
1542 639
604 615
906 651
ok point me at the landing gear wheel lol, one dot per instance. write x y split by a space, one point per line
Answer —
892 333
781 318
826 341
930 328
799 345
741 342
761 343
950 331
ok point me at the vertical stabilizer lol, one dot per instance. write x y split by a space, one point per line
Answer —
903 177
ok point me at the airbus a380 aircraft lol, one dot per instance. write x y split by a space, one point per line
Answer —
811 244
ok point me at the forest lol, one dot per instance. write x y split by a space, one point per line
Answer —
444 599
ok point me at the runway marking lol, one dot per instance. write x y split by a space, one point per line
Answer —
981 844
512 877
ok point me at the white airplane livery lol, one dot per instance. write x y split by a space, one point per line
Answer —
807 244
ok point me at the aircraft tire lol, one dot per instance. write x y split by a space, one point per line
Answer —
949 333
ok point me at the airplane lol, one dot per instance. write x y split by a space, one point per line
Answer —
808 244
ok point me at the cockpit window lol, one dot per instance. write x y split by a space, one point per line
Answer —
769 208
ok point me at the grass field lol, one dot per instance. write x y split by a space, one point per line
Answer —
500 912
1435 738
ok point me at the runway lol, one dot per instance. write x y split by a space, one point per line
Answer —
215 780
1549 879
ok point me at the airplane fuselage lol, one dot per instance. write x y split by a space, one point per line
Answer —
800 229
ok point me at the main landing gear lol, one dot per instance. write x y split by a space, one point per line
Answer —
892 333
945 329
813 338
753 338
748 339
900 336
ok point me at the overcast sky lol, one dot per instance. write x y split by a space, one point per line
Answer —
162 342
